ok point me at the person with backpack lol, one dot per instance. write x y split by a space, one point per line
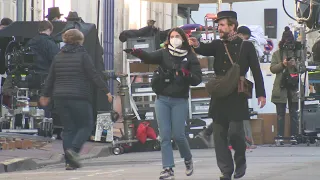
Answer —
178 69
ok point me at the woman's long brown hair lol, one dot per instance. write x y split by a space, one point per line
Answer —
185 43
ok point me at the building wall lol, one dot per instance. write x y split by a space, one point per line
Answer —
8 9
255 16
252 13
133 14
129 14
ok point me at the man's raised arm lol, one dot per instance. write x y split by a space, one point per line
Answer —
202 48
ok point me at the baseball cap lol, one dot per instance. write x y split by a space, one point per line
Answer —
244 30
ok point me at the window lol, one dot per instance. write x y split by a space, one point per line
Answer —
64 6
181 20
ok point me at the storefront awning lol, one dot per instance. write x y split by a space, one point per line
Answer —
199 1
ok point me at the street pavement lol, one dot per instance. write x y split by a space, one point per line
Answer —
264 163
44 153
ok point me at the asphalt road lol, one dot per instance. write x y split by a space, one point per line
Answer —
264 163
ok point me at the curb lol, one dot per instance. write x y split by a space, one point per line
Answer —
18 164
21 164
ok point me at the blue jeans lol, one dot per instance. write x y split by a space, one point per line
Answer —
172 114
77 119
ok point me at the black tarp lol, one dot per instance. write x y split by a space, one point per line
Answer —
29 29
26 30
92 45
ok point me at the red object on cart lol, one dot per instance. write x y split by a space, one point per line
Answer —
151 133
144 131
211 16
207 18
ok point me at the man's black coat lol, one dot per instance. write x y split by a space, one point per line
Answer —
233 107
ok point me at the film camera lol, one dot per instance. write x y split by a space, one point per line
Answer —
23 115
291 46
292 52
19 61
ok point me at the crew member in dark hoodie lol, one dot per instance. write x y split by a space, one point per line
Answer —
178 69
44 48
71 74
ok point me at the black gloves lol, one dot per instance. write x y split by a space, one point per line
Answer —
129 51
134 52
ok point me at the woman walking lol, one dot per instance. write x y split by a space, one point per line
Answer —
69 83
178 69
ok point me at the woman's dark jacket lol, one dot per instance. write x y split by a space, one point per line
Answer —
179 88
72 75
233 107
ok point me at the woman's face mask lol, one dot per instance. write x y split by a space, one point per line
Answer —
176 42
175 39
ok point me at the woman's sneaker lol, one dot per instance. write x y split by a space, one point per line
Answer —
69 167
73 158
167 174
189 167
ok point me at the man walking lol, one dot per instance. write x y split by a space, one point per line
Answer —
230 111
244 33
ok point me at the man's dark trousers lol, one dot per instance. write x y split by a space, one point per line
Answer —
224 133
76 117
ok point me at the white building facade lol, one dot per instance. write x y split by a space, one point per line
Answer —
252 13
128 14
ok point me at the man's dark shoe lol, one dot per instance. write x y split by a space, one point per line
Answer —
240 171
73 158
224 177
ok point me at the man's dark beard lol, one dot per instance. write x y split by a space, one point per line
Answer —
224 36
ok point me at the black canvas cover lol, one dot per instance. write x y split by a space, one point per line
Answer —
29 29
93 47
21 29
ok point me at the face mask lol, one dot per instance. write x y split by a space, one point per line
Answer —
176 42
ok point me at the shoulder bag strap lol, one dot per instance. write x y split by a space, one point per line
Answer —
225 46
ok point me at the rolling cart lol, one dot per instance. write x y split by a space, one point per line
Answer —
127 141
